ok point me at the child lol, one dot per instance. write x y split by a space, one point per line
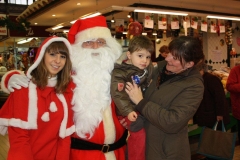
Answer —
39 118
138 66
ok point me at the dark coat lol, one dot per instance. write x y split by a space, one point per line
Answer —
168 110
214 103
121 74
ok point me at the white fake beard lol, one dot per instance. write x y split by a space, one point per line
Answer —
92 93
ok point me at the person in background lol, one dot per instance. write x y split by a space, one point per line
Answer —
138 65
233 86
214 106
171 100
163 53
39 118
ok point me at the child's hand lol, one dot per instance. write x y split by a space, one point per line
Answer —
132 116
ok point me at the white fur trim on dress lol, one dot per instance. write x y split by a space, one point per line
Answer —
53 107
90 33
5 88
45 117
43 49
63 126
31 122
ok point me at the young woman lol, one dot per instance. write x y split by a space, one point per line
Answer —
39 118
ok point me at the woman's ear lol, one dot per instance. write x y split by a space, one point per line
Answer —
189 64
128 55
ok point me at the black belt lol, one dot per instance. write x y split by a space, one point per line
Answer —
86 145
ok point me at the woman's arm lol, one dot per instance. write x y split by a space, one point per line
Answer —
182 107
20 147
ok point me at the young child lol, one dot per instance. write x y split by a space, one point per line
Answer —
137 66
39 118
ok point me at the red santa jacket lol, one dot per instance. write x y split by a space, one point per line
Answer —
39 123
233 86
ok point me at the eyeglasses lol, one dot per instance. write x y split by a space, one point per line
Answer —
100 43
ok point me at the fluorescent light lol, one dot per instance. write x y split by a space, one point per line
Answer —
227 18
124 32
25 40
22 41
154 34
91 15
160 12
57 27
144 33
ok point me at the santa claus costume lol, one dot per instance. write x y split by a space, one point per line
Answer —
99 135
39 121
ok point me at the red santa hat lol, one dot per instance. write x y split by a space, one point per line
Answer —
88 29
42 49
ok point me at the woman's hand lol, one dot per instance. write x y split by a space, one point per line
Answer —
134 92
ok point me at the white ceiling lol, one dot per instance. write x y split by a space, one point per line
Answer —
69 10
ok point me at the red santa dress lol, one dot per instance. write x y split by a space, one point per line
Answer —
39 121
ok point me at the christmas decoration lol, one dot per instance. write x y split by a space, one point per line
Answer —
20 25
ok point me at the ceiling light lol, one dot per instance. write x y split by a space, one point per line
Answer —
160 12
53 15
25 40
226 18
57 27
65 31
144 33
124 32
154 34
91 15
35 23
78 4
129 15
112 20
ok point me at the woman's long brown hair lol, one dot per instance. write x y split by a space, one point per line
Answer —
40 75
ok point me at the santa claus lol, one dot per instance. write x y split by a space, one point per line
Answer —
99 135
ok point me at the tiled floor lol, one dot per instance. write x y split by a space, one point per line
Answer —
4 145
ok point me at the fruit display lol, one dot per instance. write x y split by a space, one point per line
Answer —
223 76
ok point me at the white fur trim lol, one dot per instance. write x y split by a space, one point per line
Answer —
3 130
63 127
70 130
43 49
31 122
45 117
53 107
109 131
90 33
5 88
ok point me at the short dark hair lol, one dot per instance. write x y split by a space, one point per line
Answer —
163 49
187 49
140 42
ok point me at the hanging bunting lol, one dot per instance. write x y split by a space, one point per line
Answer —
175 22
162 22
186 20
148 21
194 22
213 26
221 26
204 25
